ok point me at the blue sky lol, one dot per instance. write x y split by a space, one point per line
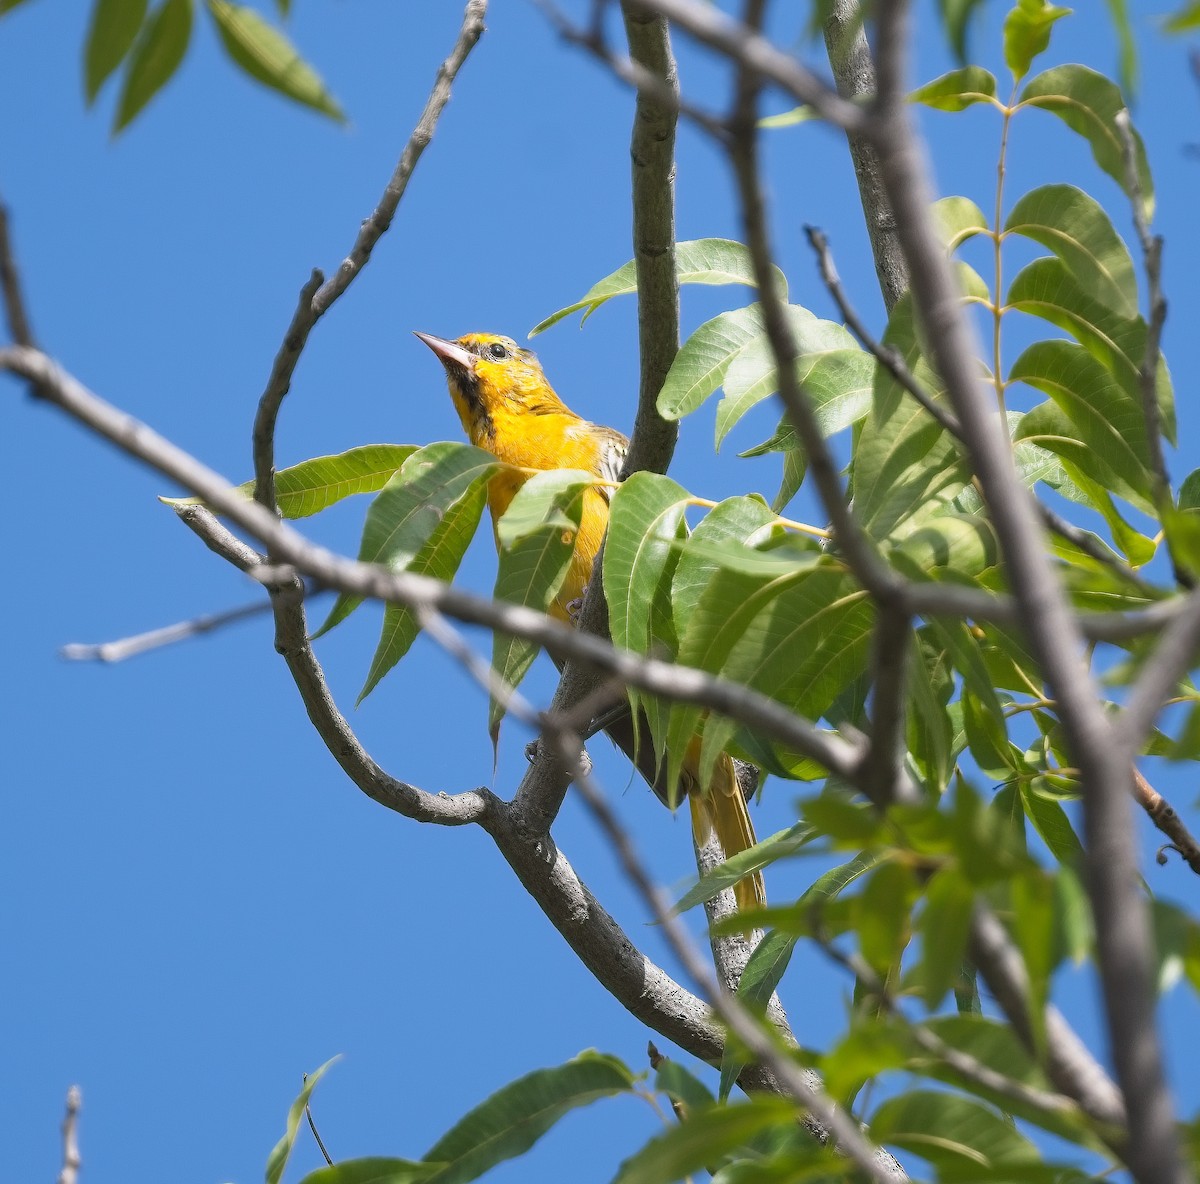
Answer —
195 907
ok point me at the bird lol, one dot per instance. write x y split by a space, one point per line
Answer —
508 408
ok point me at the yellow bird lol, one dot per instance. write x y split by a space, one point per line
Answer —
509 409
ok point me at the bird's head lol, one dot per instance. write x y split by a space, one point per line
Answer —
491 375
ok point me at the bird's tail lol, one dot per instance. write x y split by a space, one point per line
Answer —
720 808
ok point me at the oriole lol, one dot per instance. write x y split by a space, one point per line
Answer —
509 409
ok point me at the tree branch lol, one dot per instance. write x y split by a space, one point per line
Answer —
854 72
71 1161
652 152
10 286
1121 921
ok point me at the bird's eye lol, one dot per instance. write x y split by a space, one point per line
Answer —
498 351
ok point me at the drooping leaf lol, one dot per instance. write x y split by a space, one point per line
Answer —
1027 33
515 1117
413 506
781 845
835 373
277 1160
699 261
884 925
956 17
1107 424
945 925
1127 69
111 33
9 5
1045 288
1183 19
536 538
372 1171
760 978
438 556
314 485
699 366
957 90
705 1139
1075 227
645 526
269 57
907 468
950 1132
156 54
1088 103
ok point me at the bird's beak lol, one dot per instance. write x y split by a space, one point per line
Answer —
450 353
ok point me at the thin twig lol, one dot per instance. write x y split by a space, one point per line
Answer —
278 385
1166 818
71 1161
312 1126
381 217
888 357
141 643
10 286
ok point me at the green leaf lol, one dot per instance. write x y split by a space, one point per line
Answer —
883 927
929 728
956 17
707 1136
760 978
438 556
412 508
372 1171
315 485
700 365
536 540
516 1116
952 546
1076 228
1108 440
958 219
1088 104
673 1079
114 27
907 468
155 57
1184 19
800 638
277 1160
781 845
801 114
1033 927
1052 824
945 926
1045 288
957 90
645 526
1027 33
1189 491
836 375
699 261
9 5
1128 66
950 1132
269 57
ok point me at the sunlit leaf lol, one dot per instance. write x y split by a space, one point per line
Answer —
782 845
536 539
413 506
956 17
111 33
269 57
155 57
945 925
957 90
1027 33
884 924
1128 67
699 366
1184 19
372 1171
950 1132
958 219
699 261
515 1117
1075 227
704 1139
277 1160
1088 103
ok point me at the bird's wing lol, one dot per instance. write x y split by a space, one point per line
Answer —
613 447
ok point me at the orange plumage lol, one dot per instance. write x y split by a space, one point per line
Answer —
508 408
